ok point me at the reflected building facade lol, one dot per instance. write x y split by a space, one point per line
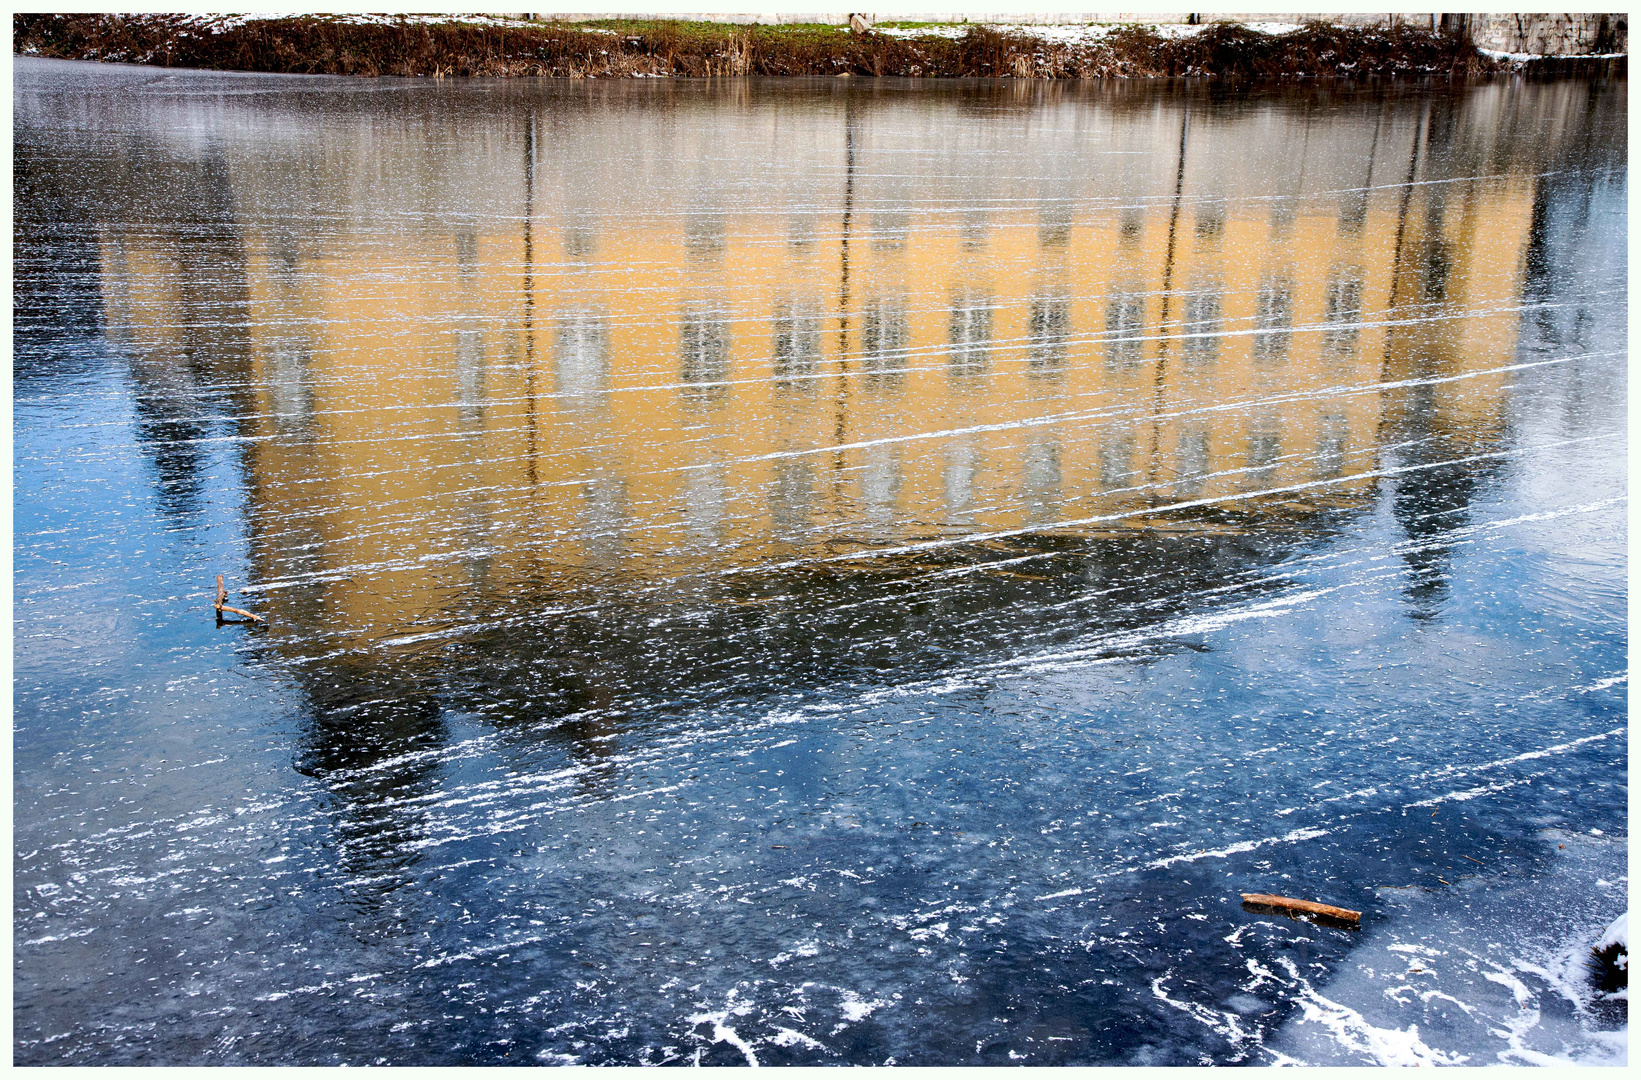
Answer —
665 382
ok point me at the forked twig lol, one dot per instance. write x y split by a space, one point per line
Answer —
222 594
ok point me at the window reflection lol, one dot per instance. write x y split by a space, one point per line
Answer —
1124 324
1353 208
1192 463
975 225
581 238
957 480
880 482
290 386
1203 321
1117 462
884 333
704 503
1210 221
1284 212
969 330
1264 449
470 374
1342 311
797 345
1131 225
1054 227
1273 319
1331 445
581 358
467 252
1048 325
603 516
790 497
1041 466
703 349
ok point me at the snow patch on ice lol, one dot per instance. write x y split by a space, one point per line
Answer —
1386 1046
787 1037
722 1032
855 1008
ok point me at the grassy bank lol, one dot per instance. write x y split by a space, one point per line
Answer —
427 46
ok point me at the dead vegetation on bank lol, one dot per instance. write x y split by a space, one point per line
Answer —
412 47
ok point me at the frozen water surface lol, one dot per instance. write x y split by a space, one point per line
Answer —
816 571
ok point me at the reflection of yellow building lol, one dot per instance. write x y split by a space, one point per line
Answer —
526 399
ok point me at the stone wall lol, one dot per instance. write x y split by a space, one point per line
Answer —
1552 35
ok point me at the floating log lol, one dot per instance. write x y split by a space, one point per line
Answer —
1294 909
222 594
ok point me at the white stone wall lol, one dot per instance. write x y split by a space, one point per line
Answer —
1552 35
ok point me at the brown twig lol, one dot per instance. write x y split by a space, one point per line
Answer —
222 594
1286 905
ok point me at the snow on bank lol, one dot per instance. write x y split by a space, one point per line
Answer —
1523 57
1617 934
1612 959
1062 33
217 24
1073 33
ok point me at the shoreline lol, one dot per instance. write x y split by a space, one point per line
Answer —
431 46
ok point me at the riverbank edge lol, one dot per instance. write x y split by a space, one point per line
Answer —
420 46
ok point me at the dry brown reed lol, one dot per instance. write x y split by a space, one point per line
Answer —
340 46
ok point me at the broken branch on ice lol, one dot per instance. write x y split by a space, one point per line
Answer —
1284 905
222 594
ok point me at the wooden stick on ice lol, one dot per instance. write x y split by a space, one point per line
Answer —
1284 905
222 594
